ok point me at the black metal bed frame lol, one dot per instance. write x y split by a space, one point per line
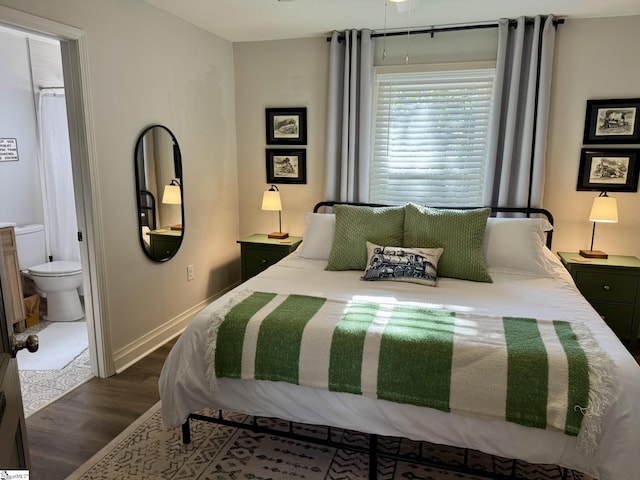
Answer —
372 449
528 211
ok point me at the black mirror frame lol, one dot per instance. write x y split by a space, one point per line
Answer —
177 164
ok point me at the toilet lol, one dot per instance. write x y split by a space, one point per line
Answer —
57 281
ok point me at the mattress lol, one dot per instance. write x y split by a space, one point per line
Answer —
184 388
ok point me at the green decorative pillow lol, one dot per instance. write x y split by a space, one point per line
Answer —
357 225
459 232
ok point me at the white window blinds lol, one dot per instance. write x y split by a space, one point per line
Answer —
430 137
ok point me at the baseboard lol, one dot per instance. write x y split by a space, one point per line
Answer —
141 347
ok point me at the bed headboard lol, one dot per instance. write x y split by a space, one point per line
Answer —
528 211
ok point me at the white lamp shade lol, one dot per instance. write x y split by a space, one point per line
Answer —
171 195
271 200
604 209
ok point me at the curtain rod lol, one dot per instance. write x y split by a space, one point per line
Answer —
433 30
49 88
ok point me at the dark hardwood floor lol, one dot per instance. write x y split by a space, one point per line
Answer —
66 433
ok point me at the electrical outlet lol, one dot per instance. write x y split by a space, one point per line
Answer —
189 272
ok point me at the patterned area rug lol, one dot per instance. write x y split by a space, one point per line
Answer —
41 387
147 450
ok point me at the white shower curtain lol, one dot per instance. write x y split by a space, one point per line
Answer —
57 178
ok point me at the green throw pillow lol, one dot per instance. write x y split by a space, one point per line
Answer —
459 232
357 225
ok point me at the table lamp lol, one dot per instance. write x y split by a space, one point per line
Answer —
172 196
271 201
605 210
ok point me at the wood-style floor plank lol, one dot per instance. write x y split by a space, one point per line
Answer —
66 433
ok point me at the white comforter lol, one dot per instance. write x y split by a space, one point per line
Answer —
184 387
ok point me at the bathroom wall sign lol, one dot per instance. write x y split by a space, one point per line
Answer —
8 150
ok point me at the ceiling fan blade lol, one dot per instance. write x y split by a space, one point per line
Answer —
408 5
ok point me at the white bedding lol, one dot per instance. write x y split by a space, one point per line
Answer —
184 387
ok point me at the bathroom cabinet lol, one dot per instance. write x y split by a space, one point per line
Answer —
15 304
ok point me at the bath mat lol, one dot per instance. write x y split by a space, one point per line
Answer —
60 343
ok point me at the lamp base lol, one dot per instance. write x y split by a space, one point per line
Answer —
593 254
278 235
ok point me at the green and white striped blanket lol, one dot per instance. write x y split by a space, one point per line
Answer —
537 373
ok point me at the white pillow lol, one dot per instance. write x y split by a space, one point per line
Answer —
517 245
318 235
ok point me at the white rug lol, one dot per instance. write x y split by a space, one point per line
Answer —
60 343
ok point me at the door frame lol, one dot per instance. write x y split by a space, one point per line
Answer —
74 50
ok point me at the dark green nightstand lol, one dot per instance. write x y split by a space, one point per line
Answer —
612 286
258 252
164 242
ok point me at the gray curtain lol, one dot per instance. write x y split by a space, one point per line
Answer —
349 116
518 130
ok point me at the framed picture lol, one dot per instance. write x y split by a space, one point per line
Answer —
286 126
612 121
608 170
286 165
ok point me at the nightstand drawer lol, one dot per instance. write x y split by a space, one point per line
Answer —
618 317
261 258
259 252
612 287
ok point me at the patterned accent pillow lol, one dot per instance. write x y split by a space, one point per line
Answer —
459 232
414 265
357 225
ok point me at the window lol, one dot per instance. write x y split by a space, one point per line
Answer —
430 136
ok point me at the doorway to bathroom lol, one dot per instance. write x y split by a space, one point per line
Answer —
38 189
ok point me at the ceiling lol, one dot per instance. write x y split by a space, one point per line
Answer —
258 20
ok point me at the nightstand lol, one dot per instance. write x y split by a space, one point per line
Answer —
258 252
164 242
612 287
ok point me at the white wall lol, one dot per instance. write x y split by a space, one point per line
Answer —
283 73
20 192
287 72
595 58
443 47
147 67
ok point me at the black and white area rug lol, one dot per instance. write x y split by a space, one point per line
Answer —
147 450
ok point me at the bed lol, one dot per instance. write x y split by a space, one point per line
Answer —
526 280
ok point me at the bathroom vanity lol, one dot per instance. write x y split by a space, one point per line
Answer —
14 279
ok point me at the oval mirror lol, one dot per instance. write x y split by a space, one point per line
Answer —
158 168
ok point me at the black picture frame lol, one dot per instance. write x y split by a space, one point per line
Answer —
286 126
613 121
287 165
608 170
